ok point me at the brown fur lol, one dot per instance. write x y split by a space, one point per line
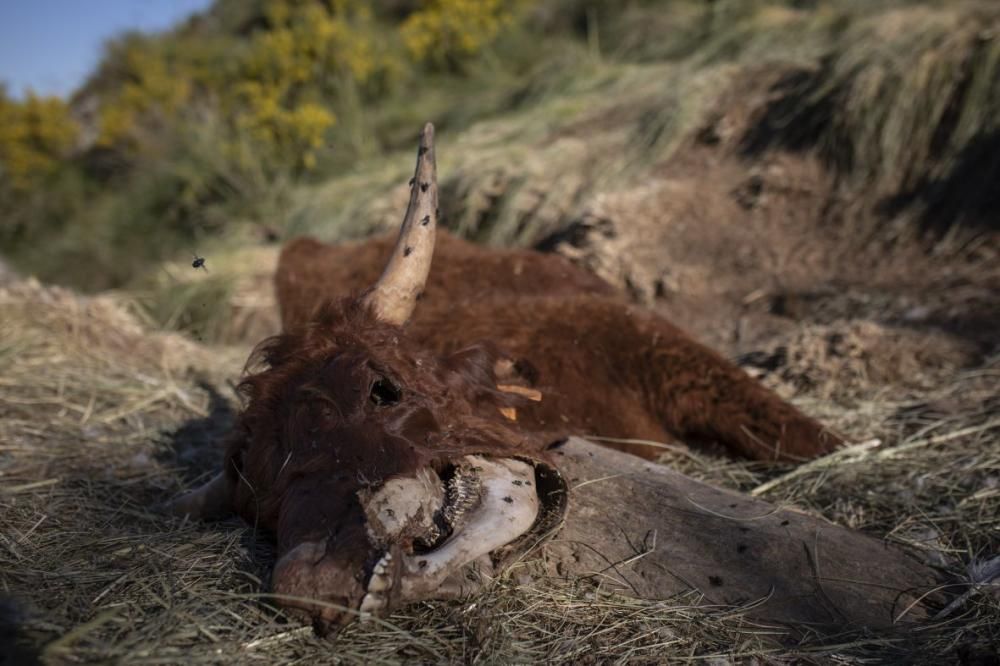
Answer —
605 367
311 273
317 428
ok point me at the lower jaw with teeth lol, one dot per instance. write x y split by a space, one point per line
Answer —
490 503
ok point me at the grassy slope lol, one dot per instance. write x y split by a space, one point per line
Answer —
898 104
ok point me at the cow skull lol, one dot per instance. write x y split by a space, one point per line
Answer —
433 526
487 504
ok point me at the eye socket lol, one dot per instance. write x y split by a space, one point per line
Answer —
384 393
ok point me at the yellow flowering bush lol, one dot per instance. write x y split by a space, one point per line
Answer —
309 50
153 89
275 84
34 136
446 30
290 134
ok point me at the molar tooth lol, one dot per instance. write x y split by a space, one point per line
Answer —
371 603
382 564
379 583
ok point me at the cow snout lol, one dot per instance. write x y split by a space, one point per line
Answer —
309 583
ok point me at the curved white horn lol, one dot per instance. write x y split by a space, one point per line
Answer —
395 294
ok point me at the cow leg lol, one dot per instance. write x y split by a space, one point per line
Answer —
700 396
211 501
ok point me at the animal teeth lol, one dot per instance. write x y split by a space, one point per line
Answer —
383 564
379 583
464 490
371 603
429 539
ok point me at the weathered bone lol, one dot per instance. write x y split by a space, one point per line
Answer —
395 294
403 507
506 510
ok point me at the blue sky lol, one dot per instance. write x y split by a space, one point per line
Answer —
51 45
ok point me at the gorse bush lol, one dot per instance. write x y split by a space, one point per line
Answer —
277 71
35 135
445 32
292 69
181 133
153 90
275 87
201 124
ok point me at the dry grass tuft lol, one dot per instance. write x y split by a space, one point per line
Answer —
903 108
231 302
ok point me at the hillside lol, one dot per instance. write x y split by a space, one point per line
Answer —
810 187
245 122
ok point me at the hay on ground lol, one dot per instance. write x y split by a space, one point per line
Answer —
100 419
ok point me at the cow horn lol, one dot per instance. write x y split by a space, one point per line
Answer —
394 296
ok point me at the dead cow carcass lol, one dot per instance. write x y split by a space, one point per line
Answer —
391 438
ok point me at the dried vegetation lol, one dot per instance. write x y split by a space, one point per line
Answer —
102 418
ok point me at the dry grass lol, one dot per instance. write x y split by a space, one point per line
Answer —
231 302
101 419
515 178
903 108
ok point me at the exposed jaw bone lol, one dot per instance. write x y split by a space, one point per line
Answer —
506 511
403 507
507 507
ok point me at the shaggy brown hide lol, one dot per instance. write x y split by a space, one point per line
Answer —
604 367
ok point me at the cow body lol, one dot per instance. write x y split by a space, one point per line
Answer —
604 366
